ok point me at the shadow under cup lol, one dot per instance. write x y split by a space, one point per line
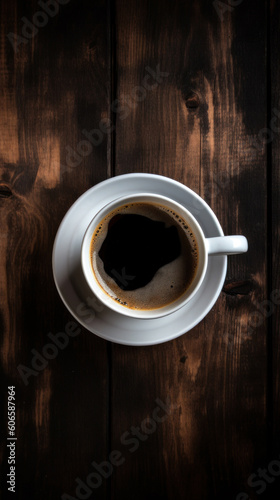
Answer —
110 299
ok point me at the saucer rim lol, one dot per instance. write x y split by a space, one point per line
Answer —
187 327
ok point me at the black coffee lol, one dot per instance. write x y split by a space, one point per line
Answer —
144 255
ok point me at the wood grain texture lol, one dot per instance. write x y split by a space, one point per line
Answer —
190 87
274 213
53 87
196 126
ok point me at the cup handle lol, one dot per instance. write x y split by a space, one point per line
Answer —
226 245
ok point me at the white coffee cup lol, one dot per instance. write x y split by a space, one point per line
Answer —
222 245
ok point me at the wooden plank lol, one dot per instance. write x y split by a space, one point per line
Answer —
274 213
198 126
55 83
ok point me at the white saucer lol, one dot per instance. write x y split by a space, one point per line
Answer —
72 287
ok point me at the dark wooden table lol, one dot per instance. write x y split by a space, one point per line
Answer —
185 89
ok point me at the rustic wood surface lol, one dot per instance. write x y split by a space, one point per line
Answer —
274 226
190 90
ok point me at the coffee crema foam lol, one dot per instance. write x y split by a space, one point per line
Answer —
170 281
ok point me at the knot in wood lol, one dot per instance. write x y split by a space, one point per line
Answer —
192 101
5 191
